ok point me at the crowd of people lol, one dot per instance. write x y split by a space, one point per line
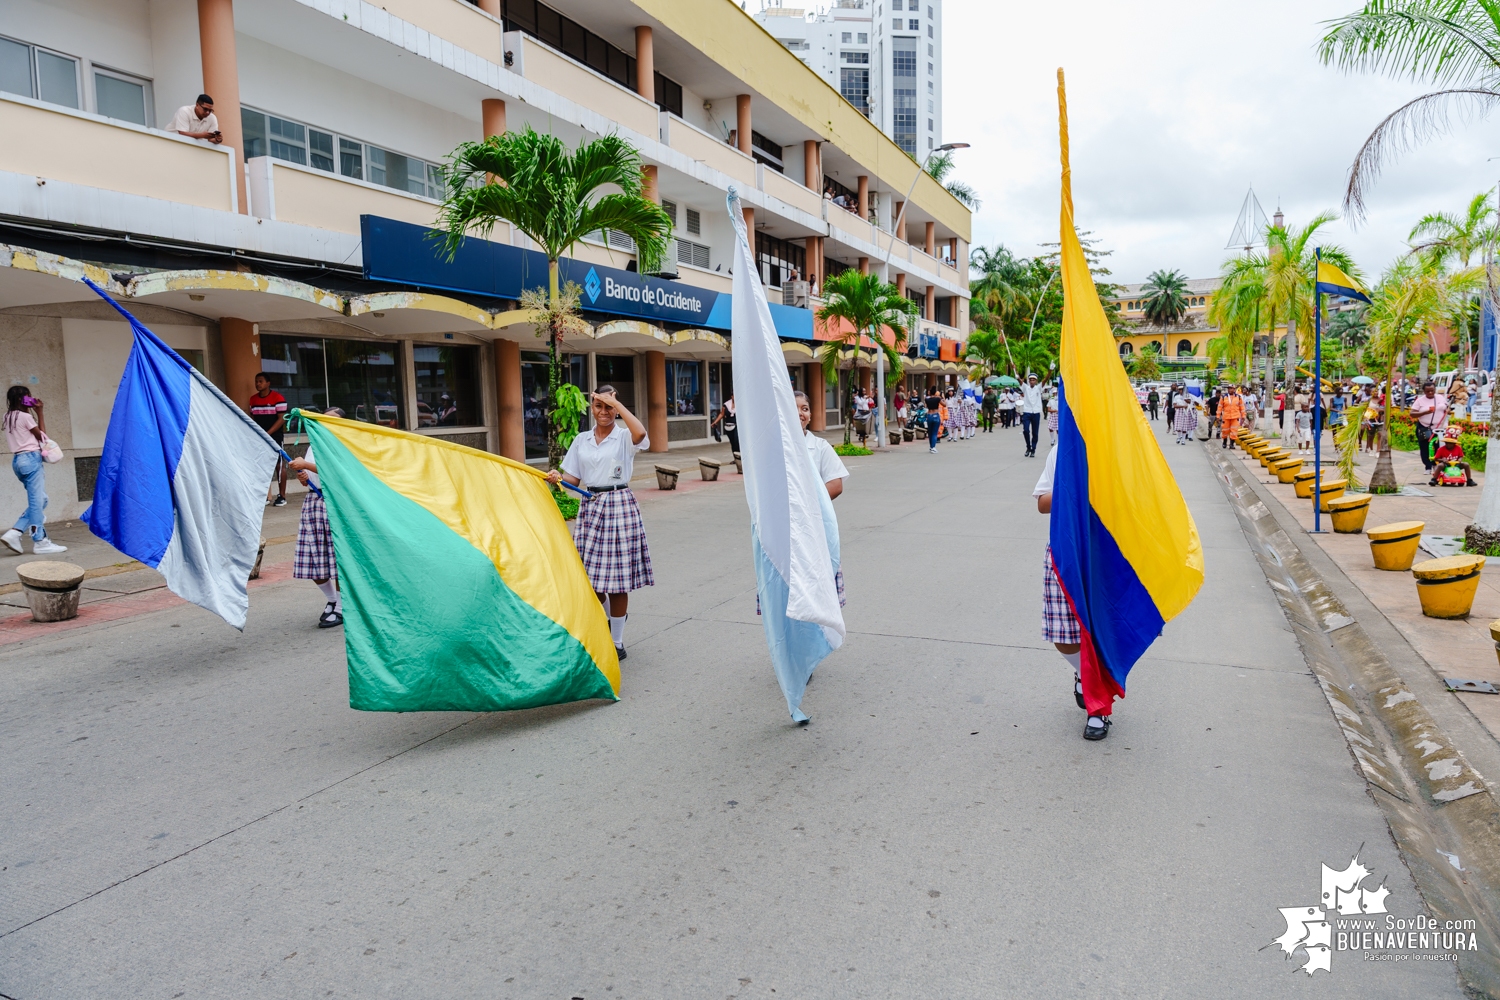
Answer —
958 413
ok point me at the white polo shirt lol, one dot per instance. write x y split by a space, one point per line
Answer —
1031 398
824 457
603 463
186 120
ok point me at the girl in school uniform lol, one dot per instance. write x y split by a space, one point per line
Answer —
313 559
610 536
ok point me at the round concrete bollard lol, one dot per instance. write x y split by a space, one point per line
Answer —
895 436
739 464
1495 634
708 469
1446 586
1330 489
1302 482
666 477
1270 455
51 589
1286 470
1348 513
1393 546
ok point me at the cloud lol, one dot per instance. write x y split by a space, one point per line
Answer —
1175 109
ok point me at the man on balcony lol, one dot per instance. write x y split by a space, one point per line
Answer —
197 121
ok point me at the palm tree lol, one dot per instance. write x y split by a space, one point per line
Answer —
1446 237
989 348
1031 358
556 198
1166 297
1413 294
1453 44
859 305
939 166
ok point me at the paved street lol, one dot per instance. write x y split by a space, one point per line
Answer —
188 812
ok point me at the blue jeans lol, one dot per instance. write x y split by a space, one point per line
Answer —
27 465
934 425
1031 425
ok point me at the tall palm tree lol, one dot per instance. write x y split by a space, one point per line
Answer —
1412 294
1451 238
556 198
861 305
1166 297
989 348
1452 44
1032 358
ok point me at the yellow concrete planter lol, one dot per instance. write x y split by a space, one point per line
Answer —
1393 546
1286 469
1348 513
1273 455
1303 482
1447 586
1328 490
1495 634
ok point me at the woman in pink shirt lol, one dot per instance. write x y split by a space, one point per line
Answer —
24 434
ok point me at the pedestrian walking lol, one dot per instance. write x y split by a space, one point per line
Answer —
1429 412
1059 625
26 435
1185 418
970 413
1231 412
1031 414
1303 421
1153 400
862 407
313 559
899 402
1211 406
1051 403
611 537
726 420
934 418
268 408
987 406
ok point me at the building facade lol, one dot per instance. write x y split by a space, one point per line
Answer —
297 246
884 56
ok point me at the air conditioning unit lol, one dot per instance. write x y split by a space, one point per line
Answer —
794 293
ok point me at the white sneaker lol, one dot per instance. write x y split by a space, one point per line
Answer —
12 540
46 547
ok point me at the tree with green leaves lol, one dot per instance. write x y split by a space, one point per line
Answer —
1146 364
1451 239
1165 295
939 166
1451 44
1413 294
859 305
987 346
556 198
1032 357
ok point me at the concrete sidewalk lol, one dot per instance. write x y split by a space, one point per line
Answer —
1452 648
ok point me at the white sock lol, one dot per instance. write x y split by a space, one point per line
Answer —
329 591
1075 660
617 628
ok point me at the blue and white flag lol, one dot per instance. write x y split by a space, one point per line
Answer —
182 481
794 535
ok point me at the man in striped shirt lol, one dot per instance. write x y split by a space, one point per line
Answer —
268 408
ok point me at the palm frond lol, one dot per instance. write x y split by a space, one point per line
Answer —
964 193
1439 41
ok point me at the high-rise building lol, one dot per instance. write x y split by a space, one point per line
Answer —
884 56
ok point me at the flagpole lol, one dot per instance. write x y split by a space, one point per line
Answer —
1317 398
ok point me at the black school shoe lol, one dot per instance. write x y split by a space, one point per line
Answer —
620 652
330 618
1078 691
1096 732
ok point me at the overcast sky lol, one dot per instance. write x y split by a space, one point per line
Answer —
1176 109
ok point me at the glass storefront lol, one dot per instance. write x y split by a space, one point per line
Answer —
684 388
361 377
534 401
447 386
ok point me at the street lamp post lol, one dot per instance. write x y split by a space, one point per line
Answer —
890 249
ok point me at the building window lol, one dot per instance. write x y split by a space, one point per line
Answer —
846 37
118 95
929 124
293 142
779 260
1125 349
1184 348
361 377
912 24
720 384
692 254
929 86
859 58
929 50
670 207
766 151
895 24
904 93
854 85
684 388
534 395
36 72
447 385
864 38
929 69
929 31
694 222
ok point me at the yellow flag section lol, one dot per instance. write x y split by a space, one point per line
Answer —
1134 521
462 588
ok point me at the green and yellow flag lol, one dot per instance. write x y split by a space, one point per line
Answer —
462 588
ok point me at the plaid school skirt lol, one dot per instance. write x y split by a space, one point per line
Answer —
1187 420
1058 622
611 540
314 556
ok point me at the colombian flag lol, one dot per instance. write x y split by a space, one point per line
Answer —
1333 281
1126 550
462 588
